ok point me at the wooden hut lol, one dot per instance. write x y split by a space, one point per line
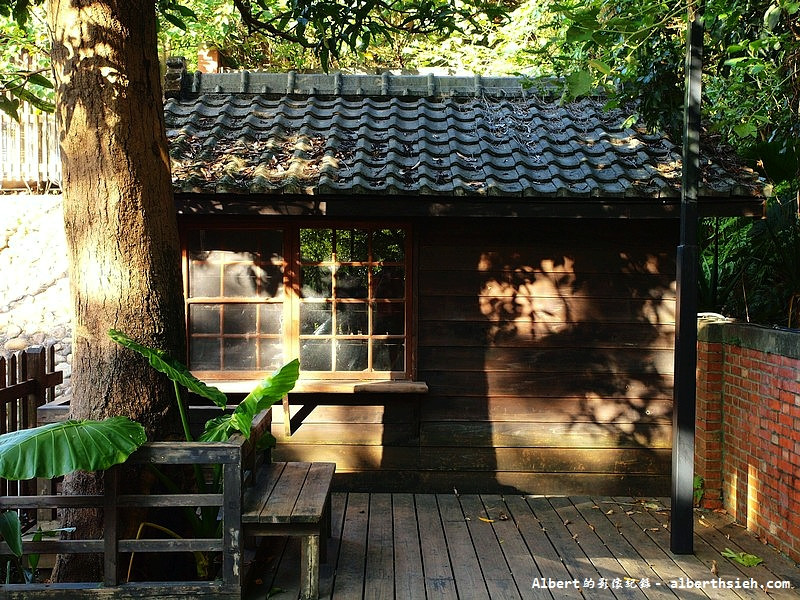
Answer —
478 280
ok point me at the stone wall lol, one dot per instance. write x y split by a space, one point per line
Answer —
748 427
34 288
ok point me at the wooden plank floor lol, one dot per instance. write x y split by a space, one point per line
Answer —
409 547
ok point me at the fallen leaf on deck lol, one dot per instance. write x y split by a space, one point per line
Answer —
485 520
748 560
714 568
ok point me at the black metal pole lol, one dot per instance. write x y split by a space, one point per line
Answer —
684 411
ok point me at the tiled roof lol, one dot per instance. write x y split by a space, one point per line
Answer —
256 133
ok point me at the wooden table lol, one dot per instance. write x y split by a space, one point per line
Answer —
293 499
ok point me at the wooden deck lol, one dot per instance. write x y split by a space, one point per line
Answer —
412 547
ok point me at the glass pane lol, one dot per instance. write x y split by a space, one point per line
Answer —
316 245
270 354
351 319
351 282
241 279
239 354
204 279
388 355
388 245
271 318
204 318
388 318
315 355
204 354
351 355
389 282
272 240
315 282
239 318
315 318
270 281
352 245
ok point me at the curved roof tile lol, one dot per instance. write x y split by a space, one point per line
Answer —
258 133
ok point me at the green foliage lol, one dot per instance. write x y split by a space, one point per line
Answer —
60 448
750 269
24 46
24 565
747 560
11 531
176 371
634 50
697 489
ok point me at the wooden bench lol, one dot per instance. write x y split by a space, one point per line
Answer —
293 499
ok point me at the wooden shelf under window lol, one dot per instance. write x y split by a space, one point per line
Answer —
363 388
334 386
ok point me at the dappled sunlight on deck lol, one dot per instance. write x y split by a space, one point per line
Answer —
406 546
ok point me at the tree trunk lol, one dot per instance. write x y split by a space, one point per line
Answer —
119 218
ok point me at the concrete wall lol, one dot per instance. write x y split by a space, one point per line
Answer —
748 427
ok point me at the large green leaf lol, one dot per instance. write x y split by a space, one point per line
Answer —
176 371
265 394
11 531
60 448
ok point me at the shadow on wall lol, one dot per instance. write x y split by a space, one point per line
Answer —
586 339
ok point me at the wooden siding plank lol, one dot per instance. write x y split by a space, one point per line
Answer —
439 580
564 315
546 360
567 383
570 435
545 410
409 576
379 583
479 332
466 568
349 581
354 434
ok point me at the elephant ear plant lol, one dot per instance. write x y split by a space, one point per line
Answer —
84 445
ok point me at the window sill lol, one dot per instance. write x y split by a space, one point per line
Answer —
334 386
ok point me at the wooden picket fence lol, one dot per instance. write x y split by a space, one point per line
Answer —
27 381
29 152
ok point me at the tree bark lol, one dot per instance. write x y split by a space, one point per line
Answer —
119 219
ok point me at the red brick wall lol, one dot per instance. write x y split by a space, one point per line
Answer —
748 427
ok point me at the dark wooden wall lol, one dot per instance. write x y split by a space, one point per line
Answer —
547 348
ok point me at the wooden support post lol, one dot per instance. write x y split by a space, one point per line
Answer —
33 367
309 567
110 527
684 410
231 523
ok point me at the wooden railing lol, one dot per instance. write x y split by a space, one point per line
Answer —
238 460
29 152
27 381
